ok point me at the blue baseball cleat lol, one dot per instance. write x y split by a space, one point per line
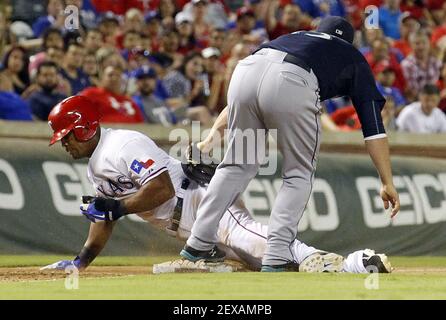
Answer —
287 267
213 255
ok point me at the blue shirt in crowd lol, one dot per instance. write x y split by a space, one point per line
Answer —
389 21
77 84
42 102
12 107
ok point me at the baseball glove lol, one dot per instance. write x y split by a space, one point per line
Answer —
198 166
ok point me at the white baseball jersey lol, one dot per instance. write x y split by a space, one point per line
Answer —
413 119
125 160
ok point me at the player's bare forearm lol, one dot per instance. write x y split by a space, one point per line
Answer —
217 132
98 236
379 152
151 195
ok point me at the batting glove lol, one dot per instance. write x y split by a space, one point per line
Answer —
62 265
102 209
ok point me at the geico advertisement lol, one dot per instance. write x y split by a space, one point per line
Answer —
422 195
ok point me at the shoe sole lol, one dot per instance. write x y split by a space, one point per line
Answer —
333 262
186 255
313 263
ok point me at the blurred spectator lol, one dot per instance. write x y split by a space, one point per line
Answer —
52 38
133 26
436 11
423 116
5 37
245 29
152 31
184 26
388 114
21 31
169 46
153 108
55 18
72 68
120 7
368 36
15 66
109 27
112 104
133 20
330 7
420 67
409 24
291 20
109 57
346 119
188 84
12 107
309 7
389 18
47 96
214 15
413 7
442 86
56 55
93 40
130 40
217 40
385 77
214 70
201 26
166 13
354 14
380 52
439 33
161 63
90 68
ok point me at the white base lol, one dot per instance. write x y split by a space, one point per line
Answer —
186 266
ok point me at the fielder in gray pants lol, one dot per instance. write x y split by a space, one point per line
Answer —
280 87
262 95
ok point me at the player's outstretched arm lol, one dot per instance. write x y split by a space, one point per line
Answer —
379 152
216 134
98 236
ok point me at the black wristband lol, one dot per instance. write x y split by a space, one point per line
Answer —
116 207
85 257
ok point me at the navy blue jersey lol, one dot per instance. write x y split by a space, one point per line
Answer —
341 70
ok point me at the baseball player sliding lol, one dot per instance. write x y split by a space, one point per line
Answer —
131 175
280 87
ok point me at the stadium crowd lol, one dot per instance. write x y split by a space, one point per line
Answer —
170 61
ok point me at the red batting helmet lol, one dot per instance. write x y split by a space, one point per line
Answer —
77 114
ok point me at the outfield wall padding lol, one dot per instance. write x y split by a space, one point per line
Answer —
40 188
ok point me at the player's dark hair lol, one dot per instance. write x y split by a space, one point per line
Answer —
430 89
